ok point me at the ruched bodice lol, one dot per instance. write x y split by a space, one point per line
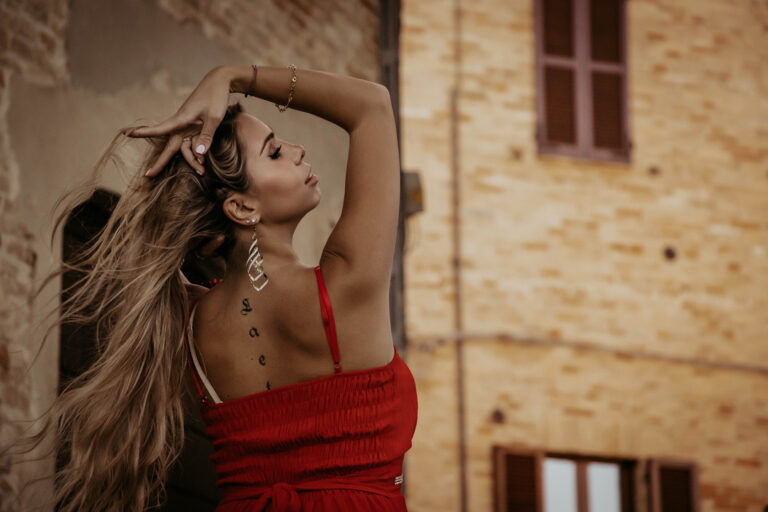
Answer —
336 442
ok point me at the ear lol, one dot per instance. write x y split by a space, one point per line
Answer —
240 211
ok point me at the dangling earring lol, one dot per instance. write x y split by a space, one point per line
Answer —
255 260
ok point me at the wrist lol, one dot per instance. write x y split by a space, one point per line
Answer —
239 77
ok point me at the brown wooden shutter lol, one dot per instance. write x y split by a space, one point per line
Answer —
607 116
672 486
606 37
559 105
559 82
517 480
558 27
605 30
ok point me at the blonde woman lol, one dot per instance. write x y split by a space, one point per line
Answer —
305 399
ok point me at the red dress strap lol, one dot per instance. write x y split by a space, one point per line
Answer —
328 323
191 366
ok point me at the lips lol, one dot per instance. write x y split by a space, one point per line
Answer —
309 176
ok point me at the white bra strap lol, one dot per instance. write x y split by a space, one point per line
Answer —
206 382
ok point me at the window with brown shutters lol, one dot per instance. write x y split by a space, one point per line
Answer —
672 486
581 79
539 481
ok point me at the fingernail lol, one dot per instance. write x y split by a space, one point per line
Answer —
200 149
199 172
147 173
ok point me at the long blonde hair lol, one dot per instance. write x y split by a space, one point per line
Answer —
122 420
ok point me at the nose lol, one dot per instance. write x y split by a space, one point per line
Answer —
301 152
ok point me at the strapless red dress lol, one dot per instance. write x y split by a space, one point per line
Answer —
334 443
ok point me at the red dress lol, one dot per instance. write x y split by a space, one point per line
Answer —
335 442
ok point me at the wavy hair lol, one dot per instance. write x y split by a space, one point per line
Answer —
122 420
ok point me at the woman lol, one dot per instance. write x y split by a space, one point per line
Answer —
306 401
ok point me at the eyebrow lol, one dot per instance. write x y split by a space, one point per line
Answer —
271 134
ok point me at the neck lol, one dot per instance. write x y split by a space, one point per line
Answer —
275 246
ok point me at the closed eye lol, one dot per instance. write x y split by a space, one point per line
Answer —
274 155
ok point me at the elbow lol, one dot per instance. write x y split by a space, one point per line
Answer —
374 103
382 98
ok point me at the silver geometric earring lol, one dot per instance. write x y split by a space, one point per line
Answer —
255 260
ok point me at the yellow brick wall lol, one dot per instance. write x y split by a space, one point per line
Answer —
577 326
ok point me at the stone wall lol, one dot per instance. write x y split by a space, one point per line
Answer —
606 309
31 50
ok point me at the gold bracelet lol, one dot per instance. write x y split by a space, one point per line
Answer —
290 91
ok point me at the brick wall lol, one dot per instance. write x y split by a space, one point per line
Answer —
32 48
580 332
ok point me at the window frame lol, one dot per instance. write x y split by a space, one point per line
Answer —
582 66
628 471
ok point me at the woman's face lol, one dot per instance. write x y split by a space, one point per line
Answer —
278 172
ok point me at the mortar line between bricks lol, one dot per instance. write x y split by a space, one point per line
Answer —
427 343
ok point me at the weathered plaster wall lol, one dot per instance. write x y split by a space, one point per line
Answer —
72 73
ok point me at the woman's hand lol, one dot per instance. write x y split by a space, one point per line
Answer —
206 105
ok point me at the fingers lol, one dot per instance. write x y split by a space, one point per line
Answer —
167 126
173 145
205 137
194 162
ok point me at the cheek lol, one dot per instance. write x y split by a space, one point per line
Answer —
281 182
279 190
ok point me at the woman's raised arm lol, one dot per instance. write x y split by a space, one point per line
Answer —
362 244
342 100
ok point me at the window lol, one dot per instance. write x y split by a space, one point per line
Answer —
529 480
581 79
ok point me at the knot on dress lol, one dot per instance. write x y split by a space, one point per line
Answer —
284 498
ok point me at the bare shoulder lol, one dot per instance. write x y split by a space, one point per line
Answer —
361 312
360 309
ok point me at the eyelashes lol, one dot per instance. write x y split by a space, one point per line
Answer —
275 155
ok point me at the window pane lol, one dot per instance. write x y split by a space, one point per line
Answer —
559 105
559 485
606 110
558 27
604 487
605 27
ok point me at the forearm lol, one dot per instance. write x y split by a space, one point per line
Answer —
340 99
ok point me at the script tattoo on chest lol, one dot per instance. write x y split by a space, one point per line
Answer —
268 386
253 332
246 307
262 360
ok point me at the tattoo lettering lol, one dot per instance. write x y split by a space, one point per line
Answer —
262 360
268 386
247 309
253 332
